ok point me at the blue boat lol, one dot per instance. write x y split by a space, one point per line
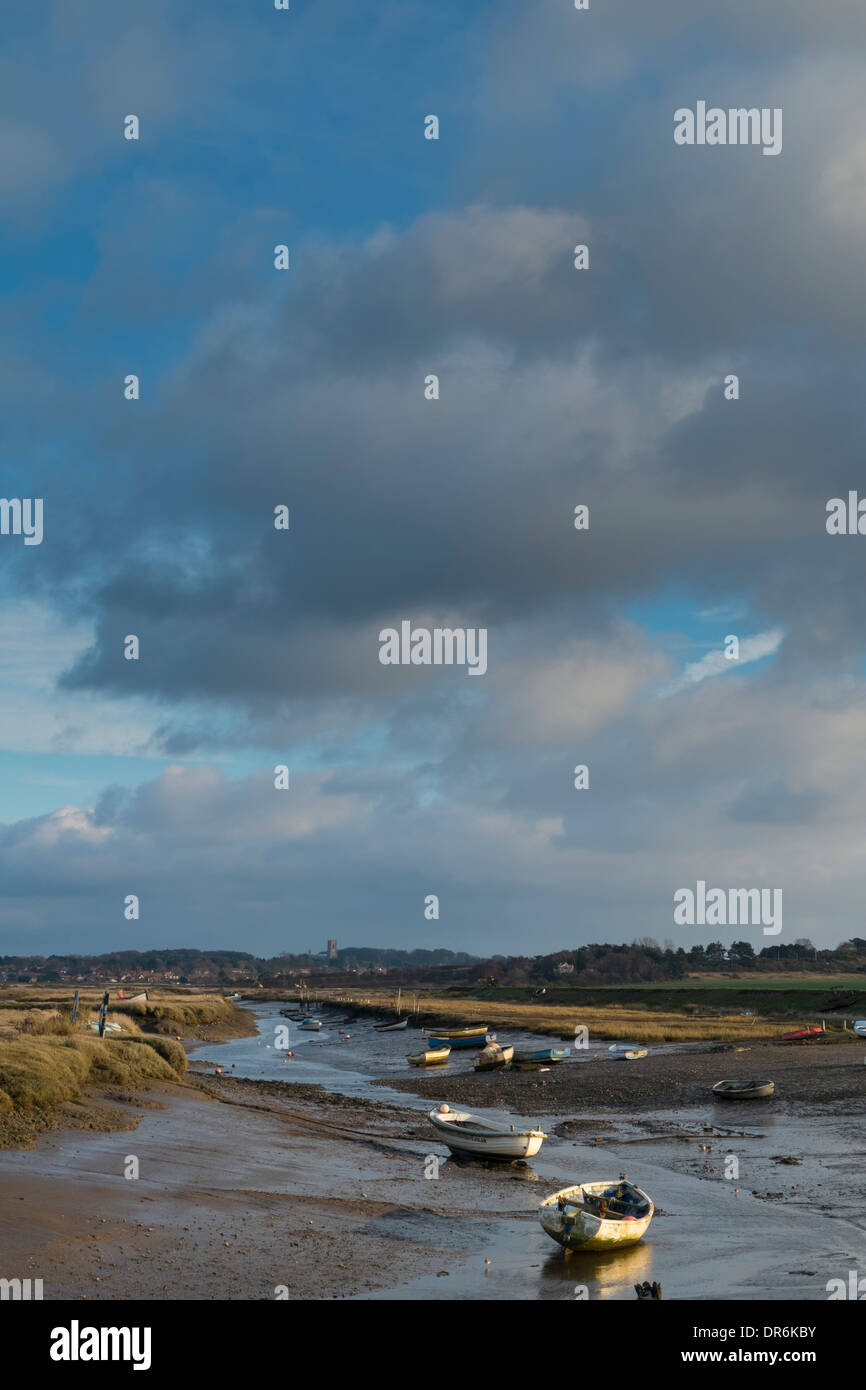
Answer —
545 1054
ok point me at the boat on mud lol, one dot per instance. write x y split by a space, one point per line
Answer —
465 1133
459 1037
492 1056
544 1054
311 1024
391 1027
627 1052
597 1215
744 1090
803 1034
433 1058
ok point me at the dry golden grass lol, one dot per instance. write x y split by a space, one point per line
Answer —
692 1023
46 1059
169 1009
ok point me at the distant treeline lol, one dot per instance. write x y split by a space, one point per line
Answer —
644 961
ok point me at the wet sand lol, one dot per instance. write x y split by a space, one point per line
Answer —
247 1186
240 1195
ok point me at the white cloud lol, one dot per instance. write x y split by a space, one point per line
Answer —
716 663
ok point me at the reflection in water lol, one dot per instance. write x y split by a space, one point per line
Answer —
519 1170
606 1274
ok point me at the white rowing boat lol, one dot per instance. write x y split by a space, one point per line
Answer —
465 1133
744 1090
597 1215
391 1027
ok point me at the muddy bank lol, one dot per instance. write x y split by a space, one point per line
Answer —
241 1195
266 1189
812 1076
240 1024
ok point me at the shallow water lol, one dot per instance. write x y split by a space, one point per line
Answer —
712 1236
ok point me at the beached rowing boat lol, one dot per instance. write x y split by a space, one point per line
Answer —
597 1215
744 1090
459 1037
626 1052
802 1034
391 1027
311 1024
434 1058
465 1133
492 1056
544 1054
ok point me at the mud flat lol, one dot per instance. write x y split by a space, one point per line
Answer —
239 1194
810 1077
248 1188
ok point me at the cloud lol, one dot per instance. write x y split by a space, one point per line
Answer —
557 388
718 663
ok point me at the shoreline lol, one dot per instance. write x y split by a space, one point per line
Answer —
259 1189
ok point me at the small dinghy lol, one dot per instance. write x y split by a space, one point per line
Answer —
434 1058
391 1027
311 1024
527 1064
802 1034
459 1037
626 1052
860 1027
744 1090
492 1056
470 1134
544 1054
597 1215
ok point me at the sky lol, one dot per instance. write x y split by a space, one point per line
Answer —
558 387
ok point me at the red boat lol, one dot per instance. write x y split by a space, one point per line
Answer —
802 1034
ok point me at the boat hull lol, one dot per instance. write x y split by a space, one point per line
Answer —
727 1090
575 1228
474 1138
491 1059
391 1027
459 1040
430 1059
544 1054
